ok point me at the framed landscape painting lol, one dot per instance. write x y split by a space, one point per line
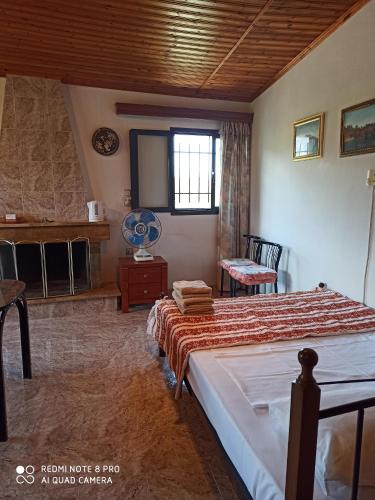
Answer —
308 138
358 129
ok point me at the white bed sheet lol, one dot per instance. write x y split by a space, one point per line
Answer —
245 431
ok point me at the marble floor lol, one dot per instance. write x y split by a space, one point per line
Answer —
100 396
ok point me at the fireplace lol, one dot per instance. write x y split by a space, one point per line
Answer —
54 258
50 268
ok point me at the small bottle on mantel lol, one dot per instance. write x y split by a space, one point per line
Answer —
322 287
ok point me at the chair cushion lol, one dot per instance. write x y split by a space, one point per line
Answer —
254 274
228 263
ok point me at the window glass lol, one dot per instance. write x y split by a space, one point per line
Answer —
194 166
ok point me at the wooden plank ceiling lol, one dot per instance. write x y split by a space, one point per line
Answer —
232 49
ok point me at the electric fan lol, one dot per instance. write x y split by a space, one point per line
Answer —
141 229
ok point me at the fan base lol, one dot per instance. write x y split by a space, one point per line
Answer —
142 255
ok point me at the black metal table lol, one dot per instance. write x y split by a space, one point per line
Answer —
13 293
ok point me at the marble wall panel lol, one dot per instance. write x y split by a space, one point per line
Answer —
53 89
40 174
35 145
10 202
36 175
25 86
10 144
63 147
10 176
39 204
30 113
58 118
9 87
67 176
9 115
70 205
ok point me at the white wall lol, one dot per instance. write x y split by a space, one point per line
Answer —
188 243
318 209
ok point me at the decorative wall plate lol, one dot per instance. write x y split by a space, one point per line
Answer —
105 141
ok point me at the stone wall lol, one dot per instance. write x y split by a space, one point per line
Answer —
40 174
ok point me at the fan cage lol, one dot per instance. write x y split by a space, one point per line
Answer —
128 233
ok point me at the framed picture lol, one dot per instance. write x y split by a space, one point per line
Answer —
308 138
358 129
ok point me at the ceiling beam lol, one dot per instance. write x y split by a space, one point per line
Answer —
123 108
238 43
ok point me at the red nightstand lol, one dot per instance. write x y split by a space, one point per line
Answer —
142 282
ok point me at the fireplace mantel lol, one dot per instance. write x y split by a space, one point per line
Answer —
44 231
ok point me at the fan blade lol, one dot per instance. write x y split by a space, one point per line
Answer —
147 217
153 233
136 239
130 222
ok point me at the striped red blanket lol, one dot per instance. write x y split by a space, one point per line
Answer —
257 319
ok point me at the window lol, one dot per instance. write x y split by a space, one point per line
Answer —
149 169
195 170
176 171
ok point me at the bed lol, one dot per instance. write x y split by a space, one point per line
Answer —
238 387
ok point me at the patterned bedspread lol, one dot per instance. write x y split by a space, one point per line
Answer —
256 319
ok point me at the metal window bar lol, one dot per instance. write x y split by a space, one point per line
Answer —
211 172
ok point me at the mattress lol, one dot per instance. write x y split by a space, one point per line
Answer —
226 382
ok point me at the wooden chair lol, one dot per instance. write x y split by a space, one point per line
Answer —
252 255
260 272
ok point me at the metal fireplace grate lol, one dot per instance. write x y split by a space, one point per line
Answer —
49 268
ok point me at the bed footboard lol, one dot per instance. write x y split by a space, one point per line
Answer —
305 414
303 430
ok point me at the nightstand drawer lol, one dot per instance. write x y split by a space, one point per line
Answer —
145 275
142 282
139 292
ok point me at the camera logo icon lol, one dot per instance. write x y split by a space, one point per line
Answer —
25 474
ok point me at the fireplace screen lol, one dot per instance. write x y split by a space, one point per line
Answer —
7 261
80 252
29 262
57 268
49 269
